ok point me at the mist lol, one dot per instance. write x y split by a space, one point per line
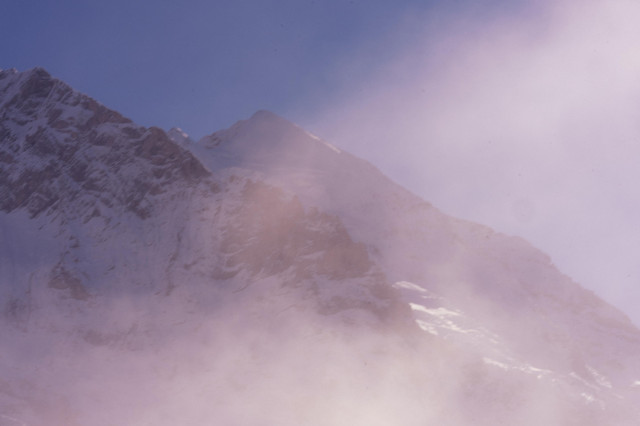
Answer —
164 361
245 313
524 119
264 276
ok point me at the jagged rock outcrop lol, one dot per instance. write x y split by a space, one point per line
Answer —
59 145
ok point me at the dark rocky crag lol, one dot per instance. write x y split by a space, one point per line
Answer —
53 139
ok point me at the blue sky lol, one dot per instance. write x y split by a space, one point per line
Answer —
202 65
520 115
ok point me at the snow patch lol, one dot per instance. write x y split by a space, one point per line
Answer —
523 368
439 312
428 327
495 363
406 285
599 378
327 144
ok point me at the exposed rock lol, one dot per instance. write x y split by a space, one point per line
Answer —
66 159
62 279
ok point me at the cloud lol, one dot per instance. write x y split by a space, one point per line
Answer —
526 121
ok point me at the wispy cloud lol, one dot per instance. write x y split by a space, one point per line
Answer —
526 121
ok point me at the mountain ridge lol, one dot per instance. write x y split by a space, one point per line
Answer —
121 245
45 121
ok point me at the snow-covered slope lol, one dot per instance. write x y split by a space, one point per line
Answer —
482 288
116 239
263 276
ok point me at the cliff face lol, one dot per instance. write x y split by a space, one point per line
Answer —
60 147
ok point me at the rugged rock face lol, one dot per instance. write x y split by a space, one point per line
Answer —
96 174
262 275
59 145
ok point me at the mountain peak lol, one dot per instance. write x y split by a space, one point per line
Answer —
38 72
132 250
263 114
268 139
34 82
179 136
276 127
59 145
8 71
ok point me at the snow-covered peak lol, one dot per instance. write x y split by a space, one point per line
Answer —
4 73
284 128
178 136
31 83
114 237
264 114
267 140
501 281
60 145
37 98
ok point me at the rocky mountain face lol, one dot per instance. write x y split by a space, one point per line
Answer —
59 146
263 276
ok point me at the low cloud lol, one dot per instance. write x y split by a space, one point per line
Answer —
525 120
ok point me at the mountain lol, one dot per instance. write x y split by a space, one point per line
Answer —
263 276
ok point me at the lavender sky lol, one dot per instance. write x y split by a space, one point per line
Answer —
523 116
